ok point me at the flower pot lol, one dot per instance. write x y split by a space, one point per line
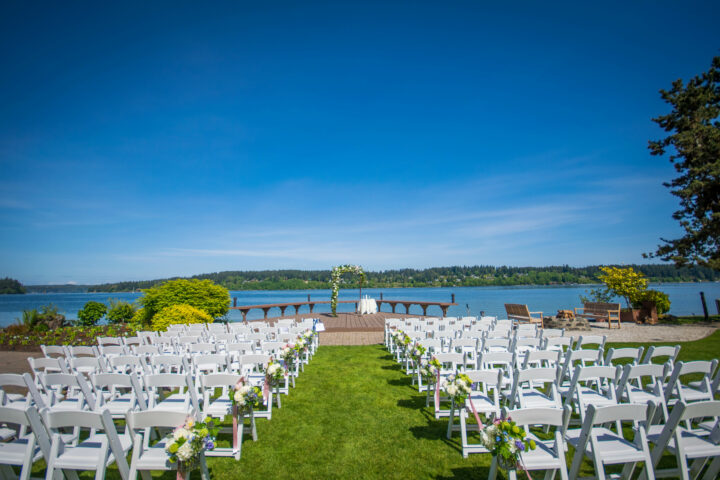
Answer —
648 313
629 315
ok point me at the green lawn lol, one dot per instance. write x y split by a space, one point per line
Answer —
354 414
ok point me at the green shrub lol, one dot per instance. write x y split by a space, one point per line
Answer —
661 299
91 313
120 311
182 314
204 295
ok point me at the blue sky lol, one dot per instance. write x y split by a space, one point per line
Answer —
151 139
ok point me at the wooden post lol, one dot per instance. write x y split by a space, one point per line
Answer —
382 297
234 301
705 310
452 298
308 297
717 305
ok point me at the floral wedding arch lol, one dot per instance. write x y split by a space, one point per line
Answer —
336 276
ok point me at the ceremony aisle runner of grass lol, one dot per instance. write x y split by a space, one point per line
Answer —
352 415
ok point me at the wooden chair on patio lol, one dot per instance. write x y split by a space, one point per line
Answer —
521 313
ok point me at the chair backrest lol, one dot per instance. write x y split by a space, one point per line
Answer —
103 341
61 381
213 363
586 340
47 365
524 417
151 419
655 352
108 350
169 364
86 364
633 355
50 350
83 351
450 361
128 363
146 350
558 343
552 332
202 348
184 382
128 341
496 344
542 358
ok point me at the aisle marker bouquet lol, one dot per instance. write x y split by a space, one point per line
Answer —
416 352
288 354
188 442
458 387
506 441
429 369
275 373
244 396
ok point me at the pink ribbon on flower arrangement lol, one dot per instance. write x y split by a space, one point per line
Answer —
437 391
266 388
477 417
180 473
235 428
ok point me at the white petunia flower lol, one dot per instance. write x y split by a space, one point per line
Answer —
185 452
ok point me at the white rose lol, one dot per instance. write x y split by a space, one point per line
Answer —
273 368
238 396
180 433
245 390
451 390
185 452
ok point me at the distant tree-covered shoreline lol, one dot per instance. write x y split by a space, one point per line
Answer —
475 276
10 285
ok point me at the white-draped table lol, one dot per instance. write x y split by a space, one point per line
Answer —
367 305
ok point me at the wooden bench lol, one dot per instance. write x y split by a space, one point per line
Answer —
600 311
519 312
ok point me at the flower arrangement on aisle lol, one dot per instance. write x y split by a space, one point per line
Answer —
300 345
288 354
416 353
336 276
189 441
402 340
457 386
275 373
506 441
245 397
429 370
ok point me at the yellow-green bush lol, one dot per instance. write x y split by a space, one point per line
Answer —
182 313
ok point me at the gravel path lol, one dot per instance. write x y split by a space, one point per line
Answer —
631 332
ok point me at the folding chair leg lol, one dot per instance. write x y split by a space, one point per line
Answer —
204 473
628 470
71 474
550 474
696 467
7 473
493 469
463 433
713 470
451 420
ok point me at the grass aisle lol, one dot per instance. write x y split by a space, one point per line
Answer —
352 415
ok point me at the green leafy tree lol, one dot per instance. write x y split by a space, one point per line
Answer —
624 282
182 314
120 311
91 313
201 294
660 299
694 147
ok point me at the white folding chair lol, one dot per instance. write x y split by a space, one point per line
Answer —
585 341
592 386
22 450
169 364
50 350
541 359
145 457
603 446
183 400
688 443
485 397
118 393
535 388
99 450
642 384
548 454
67 392
676 390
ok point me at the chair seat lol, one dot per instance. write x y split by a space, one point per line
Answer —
639 395
89 450
481 402
155 458
696 444
543 457
13 453
592 397
695 395
175 402
613 448
218 408
534 399
69 404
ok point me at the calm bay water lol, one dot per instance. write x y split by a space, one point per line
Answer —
685 298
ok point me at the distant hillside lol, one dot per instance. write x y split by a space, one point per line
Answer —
429 277
10 285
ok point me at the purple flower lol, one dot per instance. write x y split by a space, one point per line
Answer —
520 445
209 445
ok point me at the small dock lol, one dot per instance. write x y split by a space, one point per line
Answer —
295 306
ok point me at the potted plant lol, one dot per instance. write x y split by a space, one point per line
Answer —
651 303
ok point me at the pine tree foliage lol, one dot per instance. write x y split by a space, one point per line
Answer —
693 145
